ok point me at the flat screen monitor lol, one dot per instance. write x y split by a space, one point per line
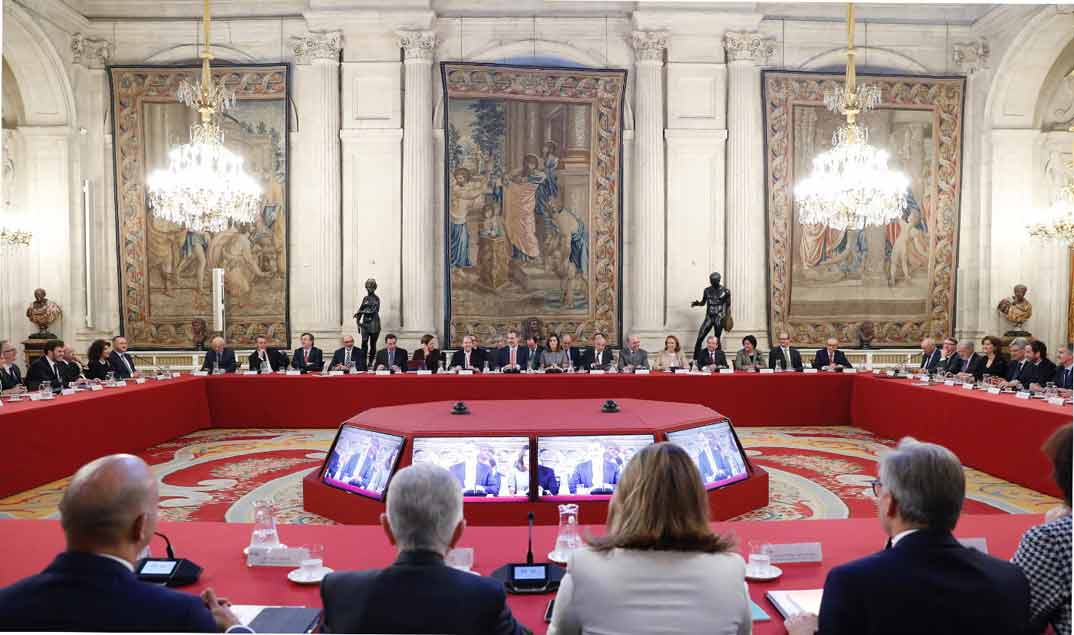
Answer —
584 467
487 468
716 452
362 461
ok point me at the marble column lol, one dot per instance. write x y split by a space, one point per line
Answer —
418 209
648 284
746 218
317 59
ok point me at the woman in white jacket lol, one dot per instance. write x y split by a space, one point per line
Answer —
660 568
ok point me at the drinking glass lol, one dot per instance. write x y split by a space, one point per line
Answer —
568 538
314 559
760 557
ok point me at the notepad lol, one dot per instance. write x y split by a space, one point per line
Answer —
790 603
757 614
277 619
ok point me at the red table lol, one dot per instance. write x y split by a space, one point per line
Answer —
31 544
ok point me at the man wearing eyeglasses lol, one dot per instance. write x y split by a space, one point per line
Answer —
10 376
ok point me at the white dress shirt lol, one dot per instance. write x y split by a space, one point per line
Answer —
642 592
899 536
471 475
130 567
598 472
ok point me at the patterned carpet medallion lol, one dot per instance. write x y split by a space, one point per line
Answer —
816 472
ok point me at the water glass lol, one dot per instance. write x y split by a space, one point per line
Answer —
760 557
314 559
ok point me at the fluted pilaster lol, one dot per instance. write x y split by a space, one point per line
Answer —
648 202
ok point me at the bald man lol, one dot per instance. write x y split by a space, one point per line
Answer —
219 358
830 358
108 514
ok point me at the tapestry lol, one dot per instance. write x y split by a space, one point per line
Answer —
165 271
895 283
533 204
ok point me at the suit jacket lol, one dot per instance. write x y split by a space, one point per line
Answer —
357 358
115 359
1063 376
418 593
276 360
547 481
775 359
717 468
637 360
484 476
98 369
226 360
86 592
534 356
1041 373
399 359
10 378
718 358
359 469
314 364
477 359
589 359
582 476
927 583
428 362
1017 370
958 365
40 372
981 368
743 361
930 361
575 355
522 357
72 370
821 359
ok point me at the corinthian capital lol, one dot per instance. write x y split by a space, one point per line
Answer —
970 57
649 45
90 52
322 45
748 46
417 45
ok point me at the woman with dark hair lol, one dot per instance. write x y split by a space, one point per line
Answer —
748 357
990 363
553 356
671 356
660 568
97 366
1044 553
428 353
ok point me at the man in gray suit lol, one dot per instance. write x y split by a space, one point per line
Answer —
633 356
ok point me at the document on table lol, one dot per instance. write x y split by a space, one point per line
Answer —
790 603
277 619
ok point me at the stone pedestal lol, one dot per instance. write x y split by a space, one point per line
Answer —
32 349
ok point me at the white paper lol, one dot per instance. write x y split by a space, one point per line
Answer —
809 371
140 380
250 372
796 552
200 373
96 387
768 371
596 371
68 391
980 544
281 556
967 386
293 373
461 372
425 371
1022 394
641 371
1055 401
383 372
727 371
949 382
850 370
994 390
335 373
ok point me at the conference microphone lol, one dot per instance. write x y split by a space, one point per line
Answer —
160 371
170 571
529 548
529 578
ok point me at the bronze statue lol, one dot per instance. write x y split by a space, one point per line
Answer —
368 319
717 299
1017 310
43 312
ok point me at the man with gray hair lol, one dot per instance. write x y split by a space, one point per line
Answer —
633 356
1019 363
930 355
108 514
965 362
419 593
219 359
925 581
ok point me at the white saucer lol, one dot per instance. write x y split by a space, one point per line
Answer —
772 573
552 557
298 576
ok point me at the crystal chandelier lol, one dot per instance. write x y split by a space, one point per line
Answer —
851 185
204 188
1057 222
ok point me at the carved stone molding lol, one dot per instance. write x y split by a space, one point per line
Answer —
649 46
417 45
970 57
320 46
748 46
90 52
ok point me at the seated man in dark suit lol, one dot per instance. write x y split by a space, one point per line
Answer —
1064 372
72 366
46 369
597 475
108 514
121 361
1016 369
599 357
574 354
712 356
547 480
468 357
264 357
474 473
925 581
309 358
513 358
348 356
786 356
359 466
830 357
964 363
219 358
533 350
418 593
1041 369
930 355
10 377
391 357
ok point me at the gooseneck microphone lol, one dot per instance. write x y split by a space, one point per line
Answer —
529 548
167 545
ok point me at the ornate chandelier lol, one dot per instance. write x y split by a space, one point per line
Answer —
204 187
1057 221
851 185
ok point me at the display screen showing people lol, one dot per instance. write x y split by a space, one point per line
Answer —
716 451
362 461
584 467
487 468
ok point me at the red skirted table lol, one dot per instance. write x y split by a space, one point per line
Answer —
31 545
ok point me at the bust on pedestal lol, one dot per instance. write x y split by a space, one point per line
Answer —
43 313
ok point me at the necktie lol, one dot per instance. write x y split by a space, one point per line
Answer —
391 359
126 363
467 363
513 356
786 358
965 364
599 354
346 356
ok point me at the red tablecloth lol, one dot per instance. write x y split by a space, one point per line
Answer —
30 545
47 440
997 434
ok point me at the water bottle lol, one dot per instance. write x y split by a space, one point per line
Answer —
693 366
485 368
266 367
443 366
216 367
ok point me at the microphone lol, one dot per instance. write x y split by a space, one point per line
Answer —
160 369
170 571
167 545
529 548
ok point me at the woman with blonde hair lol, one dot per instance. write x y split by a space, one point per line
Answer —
671 356
660 568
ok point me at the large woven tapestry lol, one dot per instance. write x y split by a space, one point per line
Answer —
165 271
897 282
533 199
